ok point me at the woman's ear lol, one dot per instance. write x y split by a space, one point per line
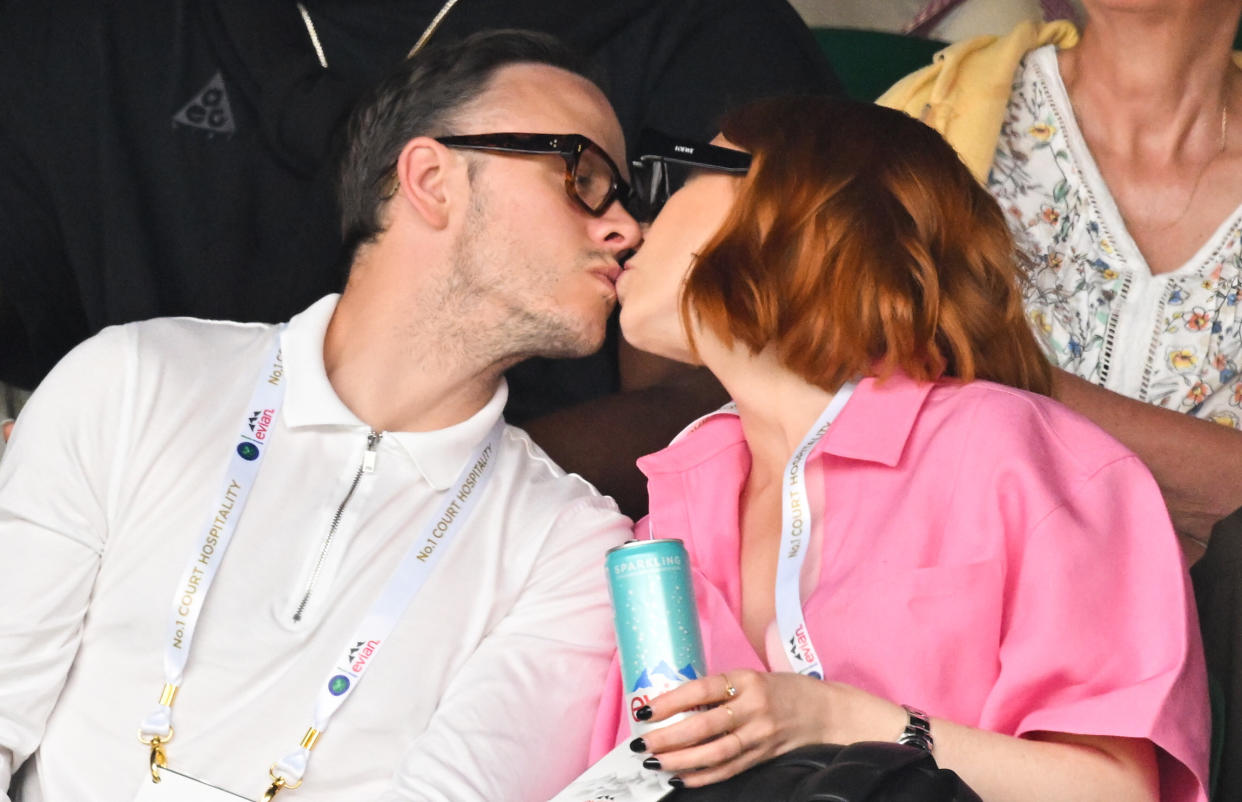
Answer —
423 175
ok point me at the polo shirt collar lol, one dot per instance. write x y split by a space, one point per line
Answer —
310 401
309 397
873 427
442 454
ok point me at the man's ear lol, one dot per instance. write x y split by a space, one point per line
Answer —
424 170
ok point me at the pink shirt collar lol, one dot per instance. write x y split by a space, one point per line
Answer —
874 427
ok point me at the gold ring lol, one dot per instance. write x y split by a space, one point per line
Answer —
730 691
732 717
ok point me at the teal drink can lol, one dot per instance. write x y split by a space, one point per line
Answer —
657 622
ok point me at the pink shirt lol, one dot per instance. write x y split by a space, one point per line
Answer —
982 553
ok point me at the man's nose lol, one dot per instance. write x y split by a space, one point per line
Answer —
616 229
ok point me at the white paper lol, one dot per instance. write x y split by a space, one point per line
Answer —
177 787
619 776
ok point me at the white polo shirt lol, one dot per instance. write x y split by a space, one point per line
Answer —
485 690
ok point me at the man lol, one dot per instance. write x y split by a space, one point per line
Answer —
384 452
170 157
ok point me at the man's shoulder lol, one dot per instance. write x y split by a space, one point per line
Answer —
184 338
148 359
536 470
153 344
542 489
550 520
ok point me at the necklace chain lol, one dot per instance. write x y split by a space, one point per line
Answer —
1194 188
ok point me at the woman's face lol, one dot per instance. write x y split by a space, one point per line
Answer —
649 289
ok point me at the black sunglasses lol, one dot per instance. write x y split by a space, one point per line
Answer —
664 162
592 179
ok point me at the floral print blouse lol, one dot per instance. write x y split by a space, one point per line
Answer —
1173 339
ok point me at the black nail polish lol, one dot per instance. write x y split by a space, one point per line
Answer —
643 713
677 782
652 763
638 745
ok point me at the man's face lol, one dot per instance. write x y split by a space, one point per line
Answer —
543 267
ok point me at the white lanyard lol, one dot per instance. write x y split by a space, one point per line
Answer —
358 654
200 571
795 529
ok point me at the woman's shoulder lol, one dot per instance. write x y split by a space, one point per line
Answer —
1029 466
700 443
998 423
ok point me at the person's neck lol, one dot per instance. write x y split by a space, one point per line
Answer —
401 359
1152 86
777 408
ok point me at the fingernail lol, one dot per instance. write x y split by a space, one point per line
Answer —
652 763
677 782
638 745
643 713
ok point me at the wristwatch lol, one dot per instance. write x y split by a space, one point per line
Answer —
918 729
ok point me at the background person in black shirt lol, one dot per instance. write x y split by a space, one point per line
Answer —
175 158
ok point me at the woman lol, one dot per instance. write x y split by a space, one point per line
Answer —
1118 158
975 551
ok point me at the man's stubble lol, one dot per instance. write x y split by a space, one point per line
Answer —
498 302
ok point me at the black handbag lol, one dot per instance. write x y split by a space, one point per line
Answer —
868 771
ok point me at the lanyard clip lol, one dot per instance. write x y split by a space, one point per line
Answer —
278 783
157 730
270 794
291 765
158 758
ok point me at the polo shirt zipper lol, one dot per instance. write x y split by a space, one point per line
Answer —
367 466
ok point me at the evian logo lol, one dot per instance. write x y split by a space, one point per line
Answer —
655 681
260 422
800 646
361 653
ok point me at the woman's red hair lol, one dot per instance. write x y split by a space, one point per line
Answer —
861 245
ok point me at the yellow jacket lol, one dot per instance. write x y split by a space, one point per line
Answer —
964 92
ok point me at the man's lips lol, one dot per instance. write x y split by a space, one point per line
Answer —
608 273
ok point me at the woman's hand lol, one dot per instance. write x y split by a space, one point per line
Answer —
755 716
